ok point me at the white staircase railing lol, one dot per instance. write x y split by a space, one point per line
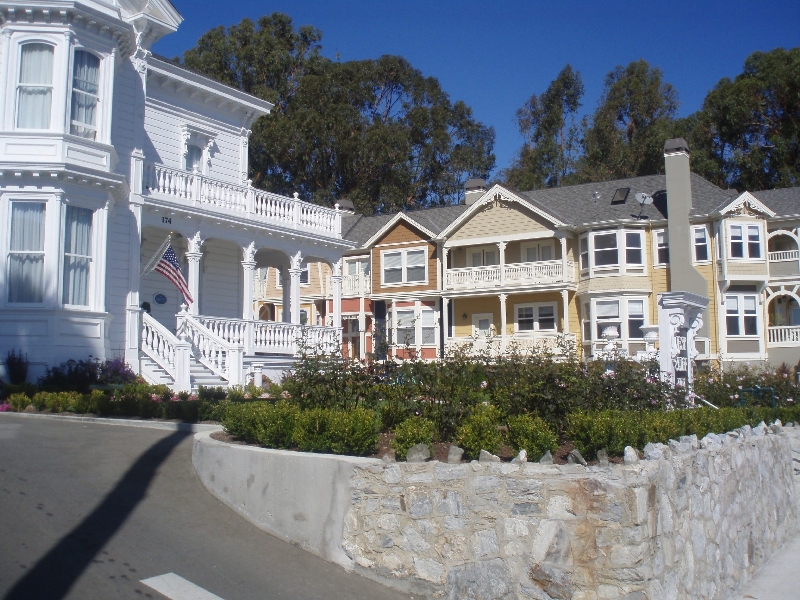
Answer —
271 337
223 358
159 344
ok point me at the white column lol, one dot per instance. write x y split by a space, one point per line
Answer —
294 295
133 332
565 309
565 276
445 304
501 246
503 320
445 254
336 281
193 258
287 294
249 270
362 330
394 327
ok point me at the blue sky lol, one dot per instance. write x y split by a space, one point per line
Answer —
494 55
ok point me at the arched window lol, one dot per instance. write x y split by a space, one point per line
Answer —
35 86
85 94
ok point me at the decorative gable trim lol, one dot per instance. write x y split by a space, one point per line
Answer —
497 194
745 203
394 221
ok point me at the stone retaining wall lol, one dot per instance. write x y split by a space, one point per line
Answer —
692 520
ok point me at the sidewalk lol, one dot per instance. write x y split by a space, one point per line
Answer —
779 579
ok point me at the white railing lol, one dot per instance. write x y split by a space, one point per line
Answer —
210 349
522 344
159 344
788 335
260 289
271 337
513 274
176 184
352 285
784 255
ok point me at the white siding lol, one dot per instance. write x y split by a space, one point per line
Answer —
124 118
221 280
117 275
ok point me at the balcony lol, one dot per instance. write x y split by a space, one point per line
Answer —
530 343
783 335
356 285
785 263
510 275
199 191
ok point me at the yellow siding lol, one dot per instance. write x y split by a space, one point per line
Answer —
614 283
473 306
501 219
404 235
747 269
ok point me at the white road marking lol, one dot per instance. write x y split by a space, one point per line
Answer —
176 587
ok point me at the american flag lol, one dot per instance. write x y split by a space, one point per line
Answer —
169 267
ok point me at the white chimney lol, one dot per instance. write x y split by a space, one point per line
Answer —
473 190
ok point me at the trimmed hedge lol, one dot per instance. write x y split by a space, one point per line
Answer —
531 434
480 431
414 430
614 429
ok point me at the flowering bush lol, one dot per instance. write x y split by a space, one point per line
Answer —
79 375
5 407
729 386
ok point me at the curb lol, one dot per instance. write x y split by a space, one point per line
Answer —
165 426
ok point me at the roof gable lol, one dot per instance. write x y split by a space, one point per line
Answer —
398 218
744 202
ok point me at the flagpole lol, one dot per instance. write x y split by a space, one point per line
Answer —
156 256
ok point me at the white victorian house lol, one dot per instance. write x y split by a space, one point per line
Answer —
106 152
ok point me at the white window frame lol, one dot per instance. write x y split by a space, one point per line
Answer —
741 314
303 269
622 266
357 260
584 252
525 246
99 110
634 268
612 268
91 257
420 327
482 249
622 321
404 266
46 269
476 318
656 247
55 99
535 306
695 245
746 227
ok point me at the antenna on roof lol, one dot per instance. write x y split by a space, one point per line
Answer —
595 197
643 199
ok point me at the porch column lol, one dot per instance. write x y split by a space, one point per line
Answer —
503 320
193 256
362 330
294 276
394 327
444 255
501 246
133 332
445 324
565 310
564 275
287 291
249 271
336 281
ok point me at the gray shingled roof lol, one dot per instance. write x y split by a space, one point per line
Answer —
360 229
574 205
783 202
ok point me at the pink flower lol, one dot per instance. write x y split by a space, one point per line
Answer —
5 407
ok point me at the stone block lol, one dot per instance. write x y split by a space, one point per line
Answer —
387 522
487 580
447 472
418 453
429 570
420 504
450 504
487 457
631 456
414 541
554 580
484 543
487 483
525 489
392 474
454 454
515 528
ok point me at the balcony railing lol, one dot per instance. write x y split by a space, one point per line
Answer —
198 190
514 274
783 335
784 255
540 341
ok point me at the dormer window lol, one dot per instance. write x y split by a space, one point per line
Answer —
752 247
197 146
35 87
85 95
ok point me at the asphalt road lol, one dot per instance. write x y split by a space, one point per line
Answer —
87 511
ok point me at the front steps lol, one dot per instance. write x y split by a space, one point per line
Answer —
199 374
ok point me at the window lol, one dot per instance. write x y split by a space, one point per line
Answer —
635 318
525 318
85 90
607 315
584 247
303 317
535 317
633 248
662 247
752 247
406 329
35 89
737 243
483 257
482 324
77 255
304 274
404 266
586 315
194 158
26 257
700 244
357 266
534 252
546 317
605 249
741 317
428 326
754 241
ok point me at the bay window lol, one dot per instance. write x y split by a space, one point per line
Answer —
77 256
633 248
404 266
700 244
745 241
605 249
26 255
741 315
35 86
635 318
584 252
607 315
85 95
662 247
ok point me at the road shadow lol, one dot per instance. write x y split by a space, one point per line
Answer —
55 573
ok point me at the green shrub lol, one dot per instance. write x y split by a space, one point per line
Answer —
531 434
40 400
414 430
19 402
480 431
351 432
100 403
212 410
243 420
83 404
211 393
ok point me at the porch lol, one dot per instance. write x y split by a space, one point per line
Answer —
510 275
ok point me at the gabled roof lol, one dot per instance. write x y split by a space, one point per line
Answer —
745 199
575 204
784 202
508 195
365 231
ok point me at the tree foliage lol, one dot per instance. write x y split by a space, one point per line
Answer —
375 131
548 124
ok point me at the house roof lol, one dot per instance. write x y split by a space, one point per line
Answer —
574 204
361 229
784 201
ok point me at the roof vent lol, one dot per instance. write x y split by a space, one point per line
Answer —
620 196
473 190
